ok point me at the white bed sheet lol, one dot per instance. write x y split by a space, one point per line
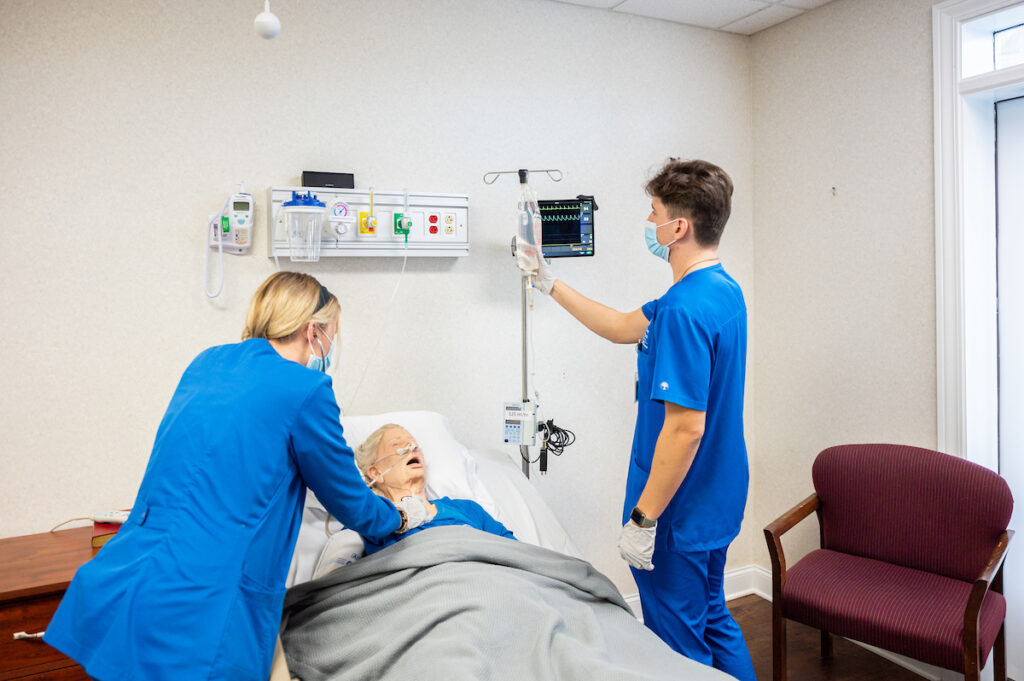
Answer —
521 507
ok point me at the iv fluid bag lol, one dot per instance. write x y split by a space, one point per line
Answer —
528 239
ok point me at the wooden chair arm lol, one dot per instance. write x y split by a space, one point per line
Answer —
773 535
788 520
990 576
995 561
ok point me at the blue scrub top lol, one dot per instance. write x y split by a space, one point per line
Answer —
693 354
449 512
191 587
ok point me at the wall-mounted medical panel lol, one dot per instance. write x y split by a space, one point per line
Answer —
358 222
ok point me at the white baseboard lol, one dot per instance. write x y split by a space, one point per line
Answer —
754 579
633 601
744 581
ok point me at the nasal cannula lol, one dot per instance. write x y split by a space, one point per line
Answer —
410 448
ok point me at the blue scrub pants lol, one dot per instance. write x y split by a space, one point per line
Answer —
683 602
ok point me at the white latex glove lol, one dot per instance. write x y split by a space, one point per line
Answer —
636 545
415 512
544 279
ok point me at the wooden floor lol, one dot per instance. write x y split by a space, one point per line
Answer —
849 661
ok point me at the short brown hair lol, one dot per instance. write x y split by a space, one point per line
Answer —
697 190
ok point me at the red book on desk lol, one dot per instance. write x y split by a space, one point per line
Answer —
103 532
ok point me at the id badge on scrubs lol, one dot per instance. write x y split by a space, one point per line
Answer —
636 371
641 349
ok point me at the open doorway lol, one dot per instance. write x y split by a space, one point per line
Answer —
979 79
1009 120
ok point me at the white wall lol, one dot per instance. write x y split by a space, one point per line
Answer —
125 123
845 281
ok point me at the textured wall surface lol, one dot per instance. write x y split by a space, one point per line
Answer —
126 123
844 242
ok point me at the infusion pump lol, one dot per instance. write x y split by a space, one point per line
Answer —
520 424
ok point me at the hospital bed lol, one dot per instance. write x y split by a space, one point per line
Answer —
499 609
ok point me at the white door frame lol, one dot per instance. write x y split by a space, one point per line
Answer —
965 262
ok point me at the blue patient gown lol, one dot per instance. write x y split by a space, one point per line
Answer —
191 587
449 512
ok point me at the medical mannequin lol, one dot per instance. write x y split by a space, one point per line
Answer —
687 481
192 585
393 466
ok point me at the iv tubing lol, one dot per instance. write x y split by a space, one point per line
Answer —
380 334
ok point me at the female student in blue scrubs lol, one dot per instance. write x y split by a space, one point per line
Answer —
687 481
192 585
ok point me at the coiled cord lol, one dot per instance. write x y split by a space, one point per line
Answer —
556 439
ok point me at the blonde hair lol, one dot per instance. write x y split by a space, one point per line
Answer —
366 453
285 303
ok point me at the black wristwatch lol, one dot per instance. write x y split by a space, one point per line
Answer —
405 520
638 517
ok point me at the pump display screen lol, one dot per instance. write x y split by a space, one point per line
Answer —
568 227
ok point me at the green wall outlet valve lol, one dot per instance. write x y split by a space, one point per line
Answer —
402 225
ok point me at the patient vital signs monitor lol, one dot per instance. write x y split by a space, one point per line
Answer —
568 227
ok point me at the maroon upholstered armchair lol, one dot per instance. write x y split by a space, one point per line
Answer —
912 547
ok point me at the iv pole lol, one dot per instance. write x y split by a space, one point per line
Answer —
524 450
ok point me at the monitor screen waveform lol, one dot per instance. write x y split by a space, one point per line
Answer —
568 228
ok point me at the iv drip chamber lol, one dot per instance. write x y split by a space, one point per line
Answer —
528 237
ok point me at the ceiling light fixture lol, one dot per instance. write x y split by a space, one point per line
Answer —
267 24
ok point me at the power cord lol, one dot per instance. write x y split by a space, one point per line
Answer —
554 438
54 528
530 461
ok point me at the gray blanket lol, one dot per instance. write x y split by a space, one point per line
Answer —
456 603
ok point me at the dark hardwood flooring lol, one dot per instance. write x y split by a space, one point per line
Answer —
849 662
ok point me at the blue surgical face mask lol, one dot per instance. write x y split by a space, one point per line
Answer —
318 363
651 236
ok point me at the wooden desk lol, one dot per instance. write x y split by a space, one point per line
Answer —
34 573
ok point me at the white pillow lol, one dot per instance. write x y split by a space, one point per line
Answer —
342 548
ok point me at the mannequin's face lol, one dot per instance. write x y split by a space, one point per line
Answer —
399 452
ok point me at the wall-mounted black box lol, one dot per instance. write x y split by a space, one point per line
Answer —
333 180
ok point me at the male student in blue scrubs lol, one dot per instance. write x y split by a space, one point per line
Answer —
687 482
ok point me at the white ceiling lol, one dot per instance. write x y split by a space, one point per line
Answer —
734 16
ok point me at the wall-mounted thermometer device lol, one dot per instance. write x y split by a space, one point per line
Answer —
229 231
234 228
